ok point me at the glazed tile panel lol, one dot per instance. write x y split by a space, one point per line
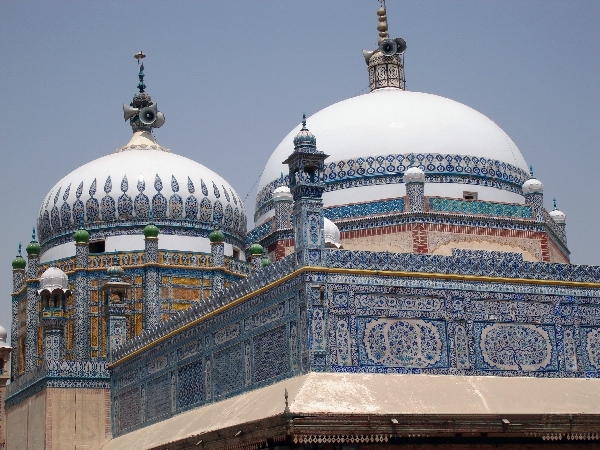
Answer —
367 322
479 207
105 205
439 168
364 209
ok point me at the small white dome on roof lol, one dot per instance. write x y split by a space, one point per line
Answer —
533 186
414 175
331 233
558 216
53 278
282 193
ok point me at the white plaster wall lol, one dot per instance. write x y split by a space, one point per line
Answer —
136 242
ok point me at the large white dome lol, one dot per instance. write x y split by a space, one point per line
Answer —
120 192
370 140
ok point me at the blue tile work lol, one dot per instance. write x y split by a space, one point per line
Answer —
62 374
116 208
247 346
479 207
364 209
389 169
258 233
369 322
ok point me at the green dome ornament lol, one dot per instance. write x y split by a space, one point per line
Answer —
19 262
265 262
216 236
81 236
34 247
151 231
256 249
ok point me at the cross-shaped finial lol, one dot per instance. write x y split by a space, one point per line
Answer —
304 120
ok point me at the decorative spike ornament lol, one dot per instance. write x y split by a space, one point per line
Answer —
386 63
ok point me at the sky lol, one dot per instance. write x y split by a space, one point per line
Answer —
234 77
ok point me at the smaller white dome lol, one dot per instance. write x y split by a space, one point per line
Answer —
558 216
53 278
414 175
533 186
282 193
331 233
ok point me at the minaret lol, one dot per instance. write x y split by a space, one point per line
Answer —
18 270
114 307
307 169
386 63
414 179
33 250
559 217
217 250
533 191
82 294
152 312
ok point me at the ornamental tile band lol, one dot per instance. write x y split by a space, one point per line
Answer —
439 168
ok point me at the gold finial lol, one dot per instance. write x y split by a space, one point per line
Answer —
382 27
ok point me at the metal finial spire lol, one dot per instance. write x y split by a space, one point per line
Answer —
139 56
382 27
531 171
304 120
20 246
554 203
33 234
142 112
386 63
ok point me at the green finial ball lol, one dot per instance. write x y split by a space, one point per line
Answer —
33 248
151 231
216 236
265 262
18 262
256 249
81 236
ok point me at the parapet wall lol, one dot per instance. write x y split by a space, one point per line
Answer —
474 313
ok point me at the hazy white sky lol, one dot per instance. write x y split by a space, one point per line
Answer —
234 77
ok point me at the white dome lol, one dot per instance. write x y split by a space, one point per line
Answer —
53 278
142 179
414 175
372 138
558 216
282 193
331 233
532 186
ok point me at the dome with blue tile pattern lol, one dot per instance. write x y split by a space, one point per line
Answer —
118 194
374 138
